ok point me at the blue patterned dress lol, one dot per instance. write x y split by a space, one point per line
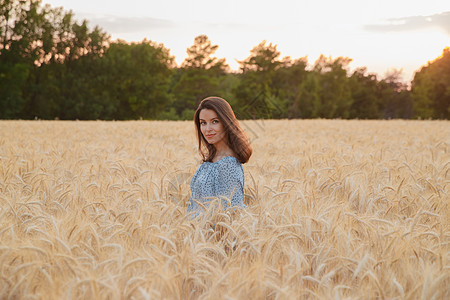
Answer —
223 179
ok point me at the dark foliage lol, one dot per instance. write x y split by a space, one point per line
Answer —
53 67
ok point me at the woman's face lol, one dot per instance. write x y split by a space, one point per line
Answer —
211 127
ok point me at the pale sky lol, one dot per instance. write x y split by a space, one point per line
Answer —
381 35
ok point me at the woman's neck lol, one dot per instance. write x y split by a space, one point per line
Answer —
222 150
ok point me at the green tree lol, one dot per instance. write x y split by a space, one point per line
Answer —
200 76
263 58
35 41
394 97
309 105
364 87
431 88
335 94
137 76
287 82
67 86
13 78
200 56
20 46
256 94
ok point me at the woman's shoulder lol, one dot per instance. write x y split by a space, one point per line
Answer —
227 160
223 163
230 165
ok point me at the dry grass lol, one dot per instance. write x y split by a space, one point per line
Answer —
337 209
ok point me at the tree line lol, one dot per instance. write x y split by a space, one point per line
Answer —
55 67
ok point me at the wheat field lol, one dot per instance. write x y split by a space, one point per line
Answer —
336 210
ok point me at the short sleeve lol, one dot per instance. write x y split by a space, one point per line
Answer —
229 186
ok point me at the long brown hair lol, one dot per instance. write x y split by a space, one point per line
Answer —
236 138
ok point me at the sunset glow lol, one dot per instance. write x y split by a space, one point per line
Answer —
381 36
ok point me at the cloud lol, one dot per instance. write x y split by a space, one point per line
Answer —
441 20
120 25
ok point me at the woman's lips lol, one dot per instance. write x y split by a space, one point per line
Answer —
208 136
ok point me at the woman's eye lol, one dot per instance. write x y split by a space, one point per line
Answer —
202 123
215 121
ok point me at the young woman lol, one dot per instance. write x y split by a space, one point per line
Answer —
224 147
